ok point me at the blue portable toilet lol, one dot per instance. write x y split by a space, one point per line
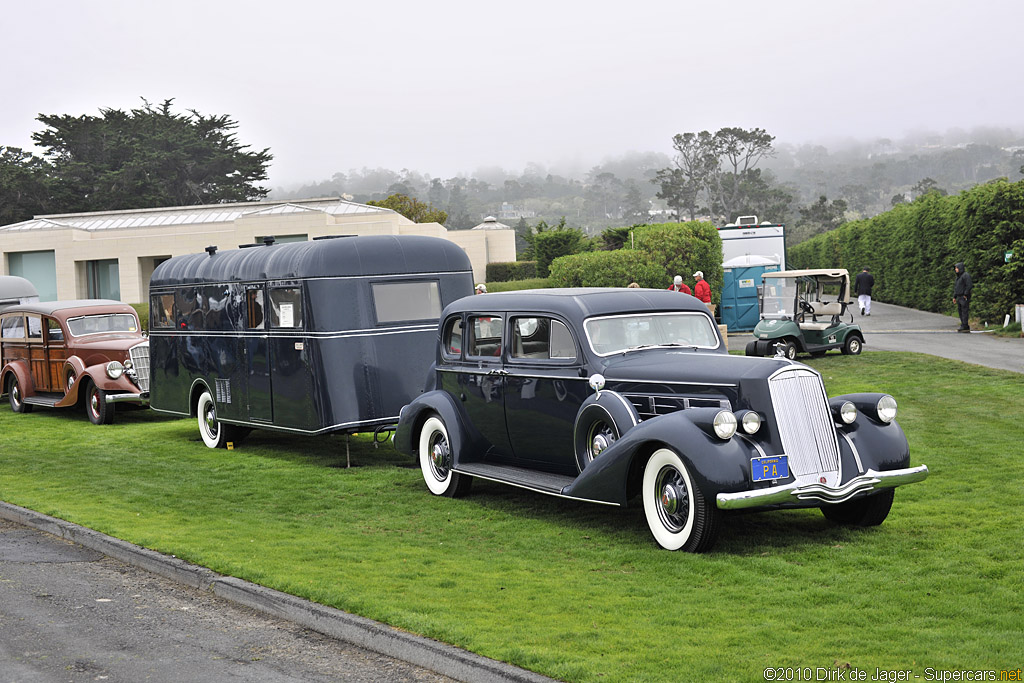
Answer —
740 283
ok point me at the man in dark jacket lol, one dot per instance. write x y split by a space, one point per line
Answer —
862 288
962 295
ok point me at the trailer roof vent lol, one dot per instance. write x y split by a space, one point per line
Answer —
212 249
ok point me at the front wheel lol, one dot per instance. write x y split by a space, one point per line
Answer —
853 345
97 408
215 434
870 511
435 453
789 350
679 516
17 399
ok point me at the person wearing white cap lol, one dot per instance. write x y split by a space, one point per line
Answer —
679 286
702 290
481 288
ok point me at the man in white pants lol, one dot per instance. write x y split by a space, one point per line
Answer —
862 287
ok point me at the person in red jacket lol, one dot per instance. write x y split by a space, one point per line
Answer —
702 290
679 286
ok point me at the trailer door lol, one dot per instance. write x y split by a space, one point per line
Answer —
257 356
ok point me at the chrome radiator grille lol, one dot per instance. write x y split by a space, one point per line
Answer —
805 423
140 361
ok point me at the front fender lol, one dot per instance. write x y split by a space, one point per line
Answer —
97 374
874 445
73 365
715 465
444 405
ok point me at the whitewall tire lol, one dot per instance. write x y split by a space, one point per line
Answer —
677 514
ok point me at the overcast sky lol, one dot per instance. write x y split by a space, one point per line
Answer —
447 87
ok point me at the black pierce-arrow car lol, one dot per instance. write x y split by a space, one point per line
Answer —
606 395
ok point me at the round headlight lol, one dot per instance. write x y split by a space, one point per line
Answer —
848 413
886 409
725 424
114 369
751 422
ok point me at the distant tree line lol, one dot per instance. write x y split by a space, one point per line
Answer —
146 157
912 248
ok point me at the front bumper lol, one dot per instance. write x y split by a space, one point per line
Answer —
141 398
801 493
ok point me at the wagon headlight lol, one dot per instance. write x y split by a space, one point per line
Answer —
750 420
886 409
724 424
114 369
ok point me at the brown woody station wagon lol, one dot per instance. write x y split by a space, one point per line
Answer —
89 353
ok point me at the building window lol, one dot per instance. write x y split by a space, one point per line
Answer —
103 279
39 268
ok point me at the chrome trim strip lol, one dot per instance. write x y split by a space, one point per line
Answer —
795 492
856 453
286 334
530 488
128 398
489 369
746 437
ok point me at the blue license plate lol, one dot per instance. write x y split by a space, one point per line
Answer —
771 467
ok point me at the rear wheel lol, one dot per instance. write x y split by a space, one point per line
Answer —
97 409
18 404
869 511
435 453
215 434
679 516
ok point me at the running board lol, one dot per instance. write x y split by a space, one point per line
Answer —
37 400
517 476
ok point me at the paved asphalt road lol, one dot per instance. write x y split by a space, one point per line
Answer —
895 328
68 613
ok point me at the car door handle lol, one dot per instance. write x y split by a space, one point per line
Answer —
498 373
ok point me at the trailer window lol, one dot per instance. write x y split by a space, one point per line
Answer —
406 301
254 309
286 307
162 306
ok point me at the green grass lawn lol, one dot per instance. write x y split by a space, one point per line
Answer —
575 591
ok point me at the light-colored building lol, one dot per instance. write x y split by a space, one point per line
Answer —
112 254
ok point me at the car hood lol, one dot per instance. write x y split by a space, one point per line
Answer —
688 367
107 342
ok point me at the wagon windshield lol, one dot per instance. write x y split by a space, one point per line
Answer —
779 298
620 333
103 324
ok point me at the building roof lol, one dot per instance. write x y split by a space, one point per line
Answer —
491 223
191 215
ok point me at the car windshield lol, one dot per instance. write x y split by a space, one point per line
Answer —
779 298
103 324
619 333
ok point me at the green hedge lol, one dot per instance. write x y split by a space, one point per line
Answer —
912 248
511 270
661 252
606 269
551 244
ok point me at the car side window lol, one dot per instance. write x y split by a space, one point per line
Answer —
35 328
541 338
452 338
13 327
484 336
54 333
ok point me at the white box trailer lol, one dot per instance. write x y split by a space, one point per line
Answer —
747 237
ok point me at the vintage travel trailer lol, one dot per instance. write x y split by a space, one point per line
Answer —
330 335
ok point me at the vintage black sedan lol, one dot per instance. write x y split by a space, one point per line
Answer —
606 395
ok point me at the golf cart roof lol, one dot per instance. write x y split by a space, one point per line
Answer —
813 272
